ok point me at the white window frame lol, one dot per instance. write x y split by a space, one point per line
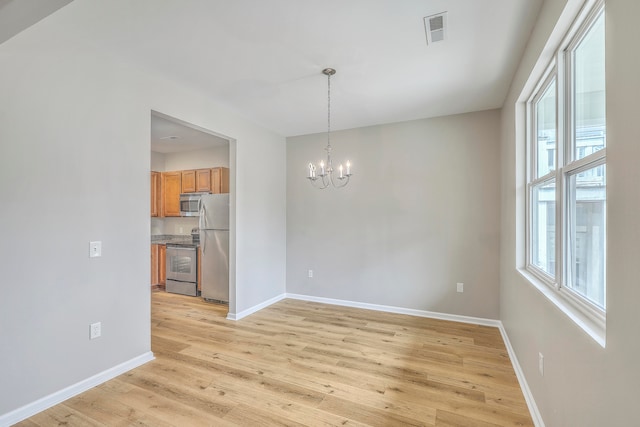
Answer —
532 167
583 311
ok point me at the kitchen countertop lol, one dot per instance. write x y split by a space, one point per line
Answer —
176 239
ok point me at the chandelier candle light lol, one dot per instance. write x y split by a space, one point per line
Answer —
326 169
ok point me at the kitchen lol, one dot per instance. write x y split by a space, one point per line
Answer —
189 210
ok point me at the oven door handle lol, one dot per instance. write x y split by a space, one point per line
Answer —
181 248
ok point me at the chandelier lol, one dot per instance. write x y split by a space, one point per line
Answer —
322 176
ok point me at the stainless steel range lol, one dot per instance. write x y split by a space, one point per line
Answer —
182 269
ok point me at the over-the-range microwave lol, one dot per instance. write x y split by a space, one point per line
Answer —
190 204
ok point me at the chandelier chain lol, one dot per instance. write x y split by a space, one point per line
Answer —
329 110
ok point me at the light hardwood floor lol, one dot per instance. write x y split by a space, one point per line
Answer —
299 363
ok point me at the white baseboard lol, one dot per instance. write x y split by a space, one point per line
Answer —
526 391
399 310
528 396
60 396
258 307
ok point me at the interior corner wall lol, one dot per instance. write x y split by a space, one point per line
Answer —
584 384
420 214
157 162
74 163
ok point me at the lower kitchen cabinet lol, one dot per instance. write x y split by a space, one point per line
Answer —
158 265
162 265
154 264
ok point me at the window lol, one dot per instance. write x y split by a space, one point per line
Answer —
566 171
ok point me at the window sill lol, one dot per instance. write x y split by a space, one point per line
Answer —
594 328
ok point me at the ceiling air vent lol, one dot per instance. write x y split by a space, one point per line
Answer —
434 26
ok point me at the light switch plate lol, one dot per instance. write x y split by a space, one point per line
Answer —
95 249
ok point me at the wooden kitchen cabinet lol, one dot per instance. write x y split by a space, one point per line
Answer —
158 265
203 180
219 180
154 265
188 181
196 181
171 187
162 265
156 179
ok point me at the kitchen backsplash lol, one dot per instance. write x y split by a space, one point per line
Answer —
181 225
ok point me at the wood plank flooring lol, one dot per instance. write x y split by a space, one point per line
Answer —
299 363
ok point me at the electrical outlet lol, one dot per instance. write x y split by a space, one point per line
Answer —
95 330
460 287
541 364
95 249
310 274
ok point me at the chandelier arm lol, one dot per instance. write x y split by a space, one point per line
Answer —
344 181
316 185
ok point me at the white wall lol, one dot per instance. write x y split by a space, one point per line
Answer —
157 162
196 159
74 165
583 384
420 214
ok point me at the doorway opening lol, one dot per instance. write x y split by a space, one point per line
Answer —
188 162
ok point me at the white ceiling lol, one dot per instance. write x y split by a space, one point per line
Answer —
263 58
169 135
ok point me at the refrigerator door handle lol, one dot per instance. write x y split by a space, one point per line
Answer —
202 211
202 224
204 242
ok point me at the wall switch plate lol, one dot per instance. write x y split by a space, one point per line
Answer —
95 249
541 364
310 274
95 330
460 287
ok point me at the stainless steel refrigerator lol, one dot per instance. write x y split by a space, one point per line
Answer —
214 245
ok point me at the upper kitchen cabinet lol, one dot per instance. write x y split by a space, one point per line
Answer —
188 181
198 181
171 188
203 180
220 180
156 194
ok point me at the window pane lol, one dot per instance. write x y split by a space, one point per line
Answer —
587 233
589 92
543 227
546 131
